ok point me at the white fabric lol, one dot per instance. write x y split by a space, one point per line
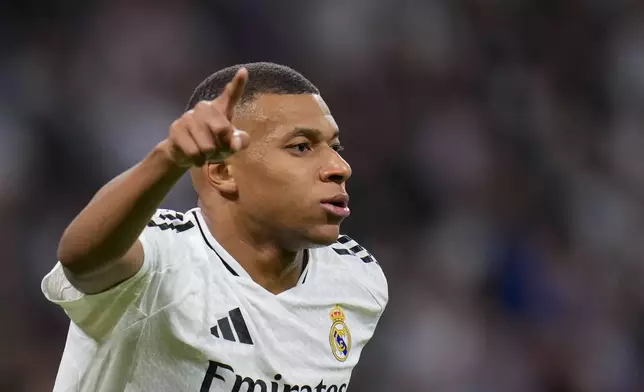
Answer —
154 332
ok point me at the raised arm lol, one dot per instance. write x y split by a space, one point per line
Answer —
99 248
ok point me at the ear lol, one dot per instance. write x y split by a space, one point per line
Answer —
220 176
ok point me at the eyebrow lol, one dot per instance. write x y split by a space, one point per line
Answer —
311 133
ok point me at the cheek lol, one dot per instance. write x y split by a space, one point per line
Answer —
273 182
283 171
284 187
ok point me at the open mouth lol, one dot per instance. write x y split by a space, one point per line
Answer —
337 206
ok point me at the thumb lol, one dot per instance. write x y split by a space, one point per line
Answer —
239 140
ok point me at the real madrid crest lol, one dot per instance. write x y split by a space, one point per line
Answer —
339 336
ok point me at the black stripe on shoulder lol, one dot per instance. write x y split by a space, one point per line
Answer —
356 249
162 226
342 251
367 259
346 246
183 227
167 216
170 221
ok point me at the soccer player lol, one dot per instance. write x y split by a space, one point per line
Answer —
253 290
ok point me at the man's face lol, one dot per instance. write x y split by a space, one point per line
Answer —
291 178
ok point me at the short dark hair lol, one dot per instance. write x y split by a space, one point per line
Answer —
263 78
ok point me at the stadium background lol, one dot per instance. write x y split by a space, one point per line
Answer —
497 148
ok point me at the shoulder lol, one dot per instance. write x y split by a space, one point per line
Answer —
170 236
172 221
363 267
347 246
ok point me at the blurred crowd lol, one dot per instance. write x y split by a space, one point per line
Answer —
497 149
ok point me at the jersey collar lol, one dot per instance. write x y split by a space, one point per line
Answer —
228 261
222 254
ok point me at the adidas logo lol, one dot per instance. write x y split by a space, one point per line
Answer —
225 330
351 248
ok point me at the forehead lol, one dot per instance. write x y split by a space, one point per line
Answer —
279 114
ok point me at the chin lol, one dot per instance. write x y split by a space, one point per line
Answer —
323 235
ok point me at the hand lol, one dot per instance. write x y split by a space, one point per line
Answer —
205 133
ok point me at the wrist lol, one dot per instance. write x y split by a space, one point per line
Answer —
162 155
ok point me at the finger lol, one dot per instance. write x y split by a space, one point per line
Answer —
223 136
188 144
233 92
201 135
214 121
188 148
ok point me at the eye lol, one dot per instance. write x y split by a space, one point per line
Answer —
301 148
338 147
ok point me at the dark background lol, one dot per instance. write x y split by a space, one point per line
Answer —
497 148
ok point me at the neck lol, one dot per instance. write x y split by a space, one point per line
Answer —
269 265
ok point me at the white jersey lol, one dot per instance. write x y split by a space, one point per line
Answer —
192 319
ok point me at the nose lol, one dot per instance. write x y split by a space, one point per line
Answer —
336 169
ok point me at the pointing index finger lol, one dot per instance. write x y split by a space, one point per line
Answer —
233 92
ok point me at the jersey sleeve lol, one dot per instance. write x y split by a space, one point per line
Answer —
98 315
376 284
368 274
